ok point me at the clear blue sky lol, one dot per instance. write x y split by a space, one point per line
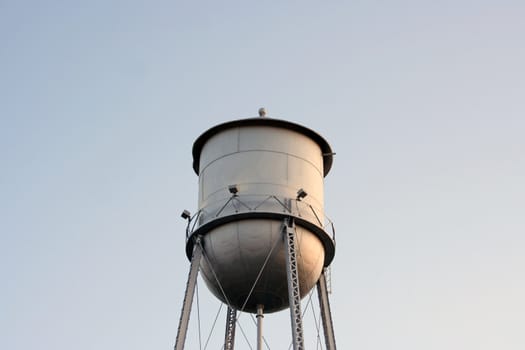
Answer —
423 101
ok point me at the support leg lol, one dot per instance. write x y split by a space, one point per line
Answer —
231 319
260 317
294 295
188 296
326 314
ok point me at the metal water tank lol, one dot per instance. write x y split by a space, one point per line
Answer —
254 174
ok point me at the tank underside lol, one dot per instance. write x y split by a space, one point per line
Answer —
246 259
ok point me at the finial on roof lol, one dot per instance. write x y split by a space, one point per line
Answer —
262 112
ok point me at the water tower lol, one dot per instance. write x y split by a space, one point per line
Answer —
260 237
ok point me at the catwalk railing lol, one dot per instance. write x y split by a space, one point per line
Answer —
245 204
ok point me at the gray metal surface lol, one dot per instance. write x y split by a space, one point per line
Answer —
254 175
188 296
326 314
260 161
293 285
247 170
237 252
284 124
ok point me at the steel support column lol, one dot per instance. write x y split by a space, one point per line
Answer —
292 274
260 316
231 320
188 296
326 315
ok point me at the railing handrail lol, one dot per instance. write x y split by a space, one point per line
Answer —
327 225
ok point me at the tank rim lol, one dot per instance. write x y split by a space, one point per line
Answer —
327 242
204 137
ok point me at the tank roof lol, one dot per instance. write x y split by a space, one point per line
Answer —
279 123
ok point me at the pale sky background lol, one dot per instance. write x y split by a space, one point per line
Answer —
423 101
